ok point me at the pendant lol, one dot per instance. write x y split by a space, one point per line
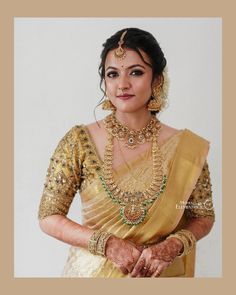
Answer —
133 214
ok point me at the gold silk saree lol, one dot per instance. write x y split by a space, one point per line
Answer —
76 165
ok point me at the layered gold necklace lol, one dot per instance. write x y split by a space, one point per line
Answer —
133 204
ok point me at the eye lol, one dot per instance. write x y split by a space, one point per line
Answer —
112 74
137 73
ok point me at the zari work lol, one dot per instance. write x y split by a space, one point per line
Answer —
76 166
68 172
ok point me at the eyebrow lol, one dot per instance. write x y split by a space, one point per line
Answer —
130 67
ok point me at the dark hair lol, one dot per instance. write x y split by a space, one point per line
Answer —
135 39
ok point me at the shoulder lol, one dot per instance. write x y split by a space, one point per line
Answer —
95 126
72 136
196 137
167 132
82 133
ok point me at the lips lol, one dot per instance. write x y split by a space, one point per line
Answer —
125 96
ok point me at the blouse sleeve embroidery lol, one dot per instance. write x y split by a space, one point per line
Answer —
63 177
200 203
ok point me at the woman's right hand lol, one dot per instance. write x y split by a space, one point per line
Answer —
123 253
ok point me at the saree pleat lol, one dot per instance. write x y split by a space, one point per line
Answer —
182 165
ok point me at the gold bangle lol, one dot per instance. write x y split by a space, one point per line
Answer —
187 238
184 242
93 240
97 242
101 245
190 236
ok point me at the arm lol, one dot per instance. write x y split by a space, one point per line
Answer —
66 230
62 183
122 253
200 226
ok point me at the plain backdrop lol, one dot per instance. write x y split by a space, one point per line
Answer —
56 86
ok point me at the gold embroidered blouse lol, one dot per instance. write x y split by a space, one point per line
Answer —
75 163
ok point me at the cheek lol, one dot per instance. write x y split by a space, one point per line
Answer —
144 85
110 87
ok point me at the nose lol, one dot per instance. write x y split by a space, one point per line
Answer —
123 82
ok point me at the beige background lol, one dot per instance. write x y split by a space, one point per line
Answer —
56 86
222 9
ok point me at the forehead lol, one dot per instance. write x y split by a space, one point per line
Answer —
131 57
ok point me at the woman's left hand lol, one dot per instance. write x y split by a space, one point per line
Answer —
157 258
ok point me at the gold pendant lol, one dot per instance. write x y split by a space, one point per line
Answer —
133 214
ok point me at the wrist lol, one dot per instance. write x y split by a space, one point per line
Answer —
98 242
111 245
178 244
187 239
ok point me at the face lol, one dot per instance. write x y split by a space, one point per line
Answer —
128 82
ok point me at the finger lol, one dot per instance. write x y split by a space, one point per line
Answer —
152 268
150 272
160 268
156 274
137 268
144 271
124 270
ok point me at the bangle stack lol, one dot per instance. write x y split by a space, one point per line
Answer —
187 238
97 242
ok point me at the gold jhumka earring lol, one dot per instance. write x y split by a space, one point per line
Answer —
157 101
107 105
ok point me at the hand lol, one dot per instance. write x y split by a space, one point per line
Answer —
157 258
123 253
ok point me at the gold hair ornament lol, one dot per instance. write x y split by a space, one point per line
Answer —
120 52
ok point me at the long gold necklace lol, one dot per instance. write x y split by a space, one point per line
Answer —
134 204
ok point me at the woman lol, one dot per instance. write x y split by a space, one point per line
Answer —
145 186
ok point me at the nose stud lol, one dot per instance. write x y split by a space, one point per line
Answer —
122 88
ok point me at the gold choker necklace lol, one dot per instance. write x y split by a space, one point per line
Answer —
134 204
132 138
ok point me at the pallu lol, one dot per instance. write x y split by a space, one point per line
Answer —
76 165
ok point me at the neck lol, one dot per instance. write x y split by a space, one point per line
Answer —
135 121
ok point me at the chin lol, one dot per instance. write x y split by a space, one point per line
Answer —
128 109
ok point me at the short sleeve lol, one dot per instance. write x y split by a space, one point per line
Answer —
63 177
200 203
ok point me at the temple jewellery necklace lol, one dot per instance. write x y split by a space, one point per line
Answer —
133 204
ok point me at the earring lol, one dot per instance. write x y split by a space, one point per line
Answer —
156 102
107 105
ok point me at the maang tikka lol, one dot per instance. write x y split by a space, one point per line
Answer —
120 52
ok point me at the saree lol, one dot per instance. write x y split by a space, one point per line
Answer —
184 158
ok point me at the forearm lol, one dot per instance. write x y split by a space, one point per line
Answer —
200 226
66 230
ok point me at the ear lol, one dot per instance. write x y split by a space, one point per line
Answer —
155 81
158 80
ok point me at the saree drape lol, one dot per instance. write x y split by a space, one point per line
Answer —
184 154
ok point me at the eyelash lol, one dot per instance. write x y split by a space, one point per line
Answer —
138 73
